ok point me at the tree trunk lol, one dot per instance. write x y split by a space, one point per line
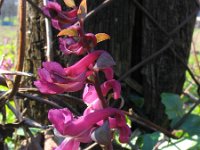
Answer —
166 73
35 55
134 38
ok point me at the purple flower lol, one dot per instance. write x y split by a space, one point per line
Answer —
79 44
7 65
81 129
60 19
91 98
55 79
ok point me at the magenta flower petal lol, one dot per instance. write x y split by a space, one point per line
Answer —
54 67
60 19
54 79
45 75
60 117
66 125
52 6
91 98
112 84
69 144
89 94
77 126
79 44
109 74
71 87
48 88
82 65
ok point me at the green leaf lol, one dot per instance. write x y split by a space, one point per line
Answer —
150 140
1 117
173 105
128 121
3 88
10 143
179 133
191 125
10 116
20 132
35 130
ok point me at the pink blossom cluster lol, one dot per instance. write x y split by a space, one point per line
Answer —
98 117
6 64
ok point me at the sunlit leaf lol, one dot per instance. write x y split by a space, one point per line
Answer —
10 143
102 37
82 11
35 130
191 125
128 121
178 133
20 132
70 3
68 32
10 116
173 105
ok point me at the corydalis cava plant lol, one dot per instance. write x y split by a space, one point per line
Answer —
98 118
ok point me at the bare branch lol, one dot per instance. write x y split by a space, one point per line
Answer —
147 60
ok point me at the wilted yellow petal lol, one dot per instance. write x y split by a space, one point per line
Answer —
70 3
82 11
102 37
68 32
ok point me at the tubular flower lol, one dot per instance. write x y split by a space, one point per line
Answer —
87 63
54 79
81 129
79 44
90 95
60 19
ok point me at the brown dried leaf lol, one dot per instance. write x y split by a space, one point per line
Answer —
102 37
68 32
82 11
70 3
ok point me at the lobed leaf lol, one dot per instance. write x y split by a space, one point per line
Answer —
173 105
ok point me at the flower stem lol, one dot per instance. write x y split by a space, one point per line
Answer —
104 104
99 92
